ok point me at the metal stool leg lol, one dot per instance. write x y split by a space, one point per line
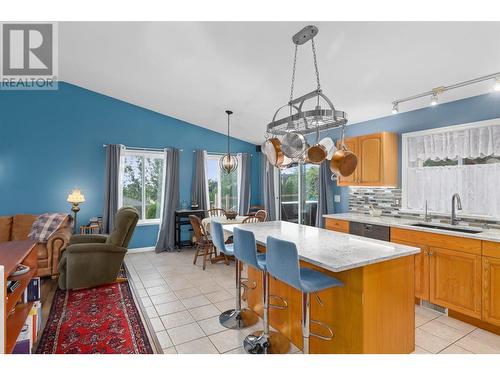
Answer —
307 321
266 341
238 318
306 312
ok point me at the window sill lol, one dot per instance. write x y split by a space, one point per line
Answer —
143 223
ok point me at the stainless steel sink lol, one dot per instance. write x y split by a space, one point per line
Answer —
446 227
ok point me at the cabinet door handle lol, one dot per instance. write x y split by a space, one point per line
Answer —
430 253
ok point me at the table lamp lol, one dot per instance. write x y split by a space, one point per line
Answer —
75 198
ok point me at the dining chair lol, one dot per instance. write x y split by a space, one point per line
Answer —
253 210
216 212
262 215
204 245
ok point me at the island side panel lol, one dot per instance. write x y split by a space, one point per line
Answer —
389 309
345 310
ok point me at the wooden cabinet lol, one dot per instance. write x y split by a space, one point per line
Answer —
422 278
491 290
447 271
455 280
337 225
377 160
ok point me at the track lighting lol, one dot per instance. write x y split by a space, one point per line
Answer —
434 99
496 86
435 92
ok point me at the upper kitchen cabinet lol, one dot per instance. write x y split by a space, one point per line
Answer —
377 160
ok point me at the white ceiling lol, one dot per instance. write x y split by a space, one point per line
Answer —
195 70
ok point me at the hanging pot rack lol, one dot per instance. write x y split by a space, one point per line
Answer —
311 120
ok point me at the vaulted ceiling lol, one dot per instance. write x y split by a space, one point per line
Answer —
195 70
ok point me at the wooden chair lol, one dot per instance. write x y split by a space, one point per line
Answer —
204 245
262 215
253 210
259 217
216 212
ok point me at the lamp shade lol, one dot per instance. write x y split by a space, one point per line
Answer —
76 196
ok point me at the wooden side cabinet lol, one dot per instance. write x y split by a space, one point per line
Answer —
455 280
491 290
422 278
377 160
337 225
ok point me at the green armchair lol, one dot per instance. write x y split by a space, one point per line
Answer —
95 259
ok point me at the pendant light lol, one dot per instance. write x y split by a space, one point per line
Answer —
228 163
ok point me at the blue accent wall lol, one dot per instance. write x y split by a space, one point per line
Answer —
51 142
477 108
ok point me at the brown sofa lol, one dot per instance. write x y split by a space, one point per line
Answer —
19 226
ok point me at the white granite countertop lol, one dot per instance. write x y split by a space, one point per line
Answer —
486 234
330 250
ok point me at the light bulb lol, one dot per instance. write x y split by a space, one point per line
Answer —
496 86
395 109
434 99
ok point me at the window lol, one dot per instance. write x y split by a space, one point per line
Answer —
141 183
223 188
463 159
299 190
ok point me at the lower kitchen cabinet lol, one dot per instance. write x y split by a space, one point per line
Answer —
422 278
491 290
455 280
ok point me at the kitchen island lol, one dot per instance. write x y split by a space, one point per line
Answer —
372 313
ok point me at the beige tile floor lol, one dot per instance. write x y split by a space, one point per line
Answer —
183 302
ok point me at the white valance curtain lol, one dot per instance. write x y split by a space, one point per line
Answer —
461 143
478 186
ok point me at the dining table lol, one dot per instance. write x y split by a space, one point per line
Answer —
224 221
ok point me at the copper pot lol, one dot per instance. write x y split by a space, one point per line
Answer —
317 153
272 150
344 162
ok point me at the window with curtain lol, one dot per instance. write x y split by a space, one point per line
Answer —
141 183
223 188
463 159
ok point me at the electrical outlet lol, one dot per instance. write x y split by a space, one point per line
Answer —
337 198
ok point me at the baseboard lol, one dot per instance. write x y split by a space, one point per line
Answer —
141 249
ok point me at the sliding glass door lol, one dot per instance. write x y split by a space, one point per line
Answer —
299 194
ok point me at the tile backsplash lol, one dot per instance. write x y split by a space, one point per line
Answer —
386 199
389 201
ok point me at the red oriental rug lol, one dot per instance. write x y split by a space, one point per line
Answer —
97 320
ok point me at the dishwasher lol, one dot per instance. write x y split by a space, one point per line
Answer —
377 232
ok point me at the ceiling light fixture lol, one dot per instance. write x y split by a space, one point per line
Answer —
434 99
496 86
395 108
439 90
228 163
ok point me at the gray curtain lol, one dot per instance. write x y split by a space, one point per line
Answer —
199 184
113 153
325 197
166 237
268 196
245 184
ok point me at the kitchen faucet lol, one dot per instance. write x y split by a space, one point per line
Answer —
454 219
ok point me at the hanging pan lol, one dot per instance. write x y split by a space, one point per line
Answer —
317 153
343 162
272 149
293 143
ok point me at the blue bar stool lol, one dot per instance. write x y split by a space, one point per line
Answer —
265 341
235 318
283 263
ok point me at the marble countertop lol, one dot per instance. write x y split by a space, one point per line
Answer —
327 249
486 234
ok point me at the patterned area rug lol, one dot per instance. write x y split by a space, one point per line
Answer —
97 320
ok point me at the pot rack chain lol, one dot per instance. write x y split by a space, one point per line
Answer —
315 64
293 75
